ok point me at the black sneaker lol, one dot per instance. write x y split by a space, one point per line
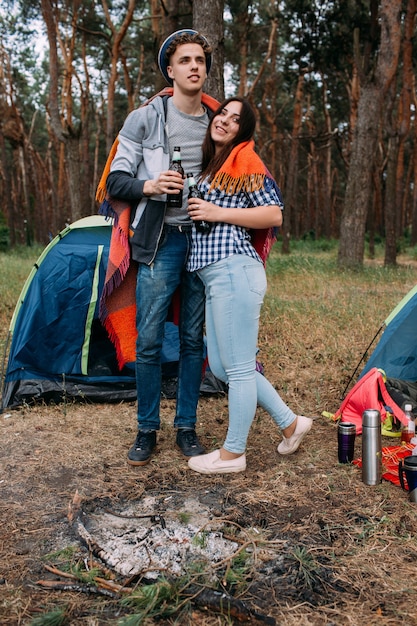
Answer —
188 443
140 452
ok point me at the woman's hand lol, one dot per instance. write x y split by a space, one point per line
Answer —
254 217
201 210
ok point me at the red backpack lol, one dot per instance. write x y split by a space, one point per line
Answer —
369 392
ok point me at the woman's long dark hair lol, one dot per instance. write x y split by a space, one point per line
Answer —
212 162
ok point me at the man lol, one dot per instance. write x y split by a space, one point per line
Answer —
160 235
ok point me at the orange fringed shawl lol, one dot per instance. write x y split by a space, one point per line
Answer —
243 170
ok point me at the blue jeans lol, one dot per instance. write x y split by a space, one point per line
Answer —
235 288
155 287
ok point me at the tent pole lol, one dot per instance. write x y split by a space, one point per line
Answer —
362 358
3 367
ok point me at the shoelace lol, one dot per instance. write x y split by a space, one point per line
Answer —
141 441
190 438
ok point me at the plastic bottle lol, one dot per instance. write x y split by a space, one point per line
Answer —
175 199
371 447
408 430
193 192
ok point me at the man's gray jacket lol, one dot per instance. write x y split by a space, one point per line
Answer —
142 153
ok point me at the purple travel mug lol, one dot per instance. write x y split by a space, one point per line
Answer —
346 433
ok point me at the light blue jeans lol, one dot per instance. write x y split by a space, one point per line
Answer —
235 288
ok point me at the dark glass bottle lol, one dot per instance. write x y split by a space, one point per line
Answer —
193 192
175 199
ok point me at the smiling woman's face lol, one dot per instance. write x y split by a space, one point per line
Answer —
225 125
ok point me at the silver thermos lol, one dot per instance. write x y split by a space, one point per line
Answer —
371 447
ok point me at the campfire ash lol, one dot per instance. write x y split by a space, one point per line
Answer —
141 540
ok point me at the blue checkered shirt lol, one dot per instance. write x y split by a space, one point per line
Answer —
227 239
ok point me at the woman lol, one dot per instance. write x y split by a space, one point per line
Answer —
239 195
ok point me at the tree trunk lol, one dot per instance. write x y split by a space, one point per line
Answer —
390 203
171 17
406 113
116 52
291 187
358 190
326 151
269 146
359 184
414 189
61 116
208 20
244 21
399 128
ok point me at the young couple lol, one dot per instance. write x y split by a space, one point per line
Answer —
222 271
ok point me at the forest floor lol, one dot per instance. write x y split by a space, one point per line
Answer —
305 541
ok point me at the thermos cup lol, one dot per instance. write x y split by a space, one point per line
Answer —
371 447
409 467
346 433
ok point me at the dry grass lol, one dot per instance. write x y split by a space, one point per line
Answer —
326 549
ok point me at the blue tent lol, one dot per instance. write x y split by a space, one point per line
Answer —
58 348
396 350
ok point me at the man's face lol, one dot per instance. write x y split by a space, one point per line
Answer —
187 67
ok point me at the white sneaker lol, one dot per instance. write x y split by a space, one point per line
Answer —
289 445
211 463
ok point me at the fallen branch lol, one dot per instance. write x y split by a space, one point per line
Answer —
113 586
220 602
91 544
58 572
60 585
101 582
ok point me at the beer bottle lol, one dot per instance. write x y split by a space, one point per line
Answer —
193 192
175 199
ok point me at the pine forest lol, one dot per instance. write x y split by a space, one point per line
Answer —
332 82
